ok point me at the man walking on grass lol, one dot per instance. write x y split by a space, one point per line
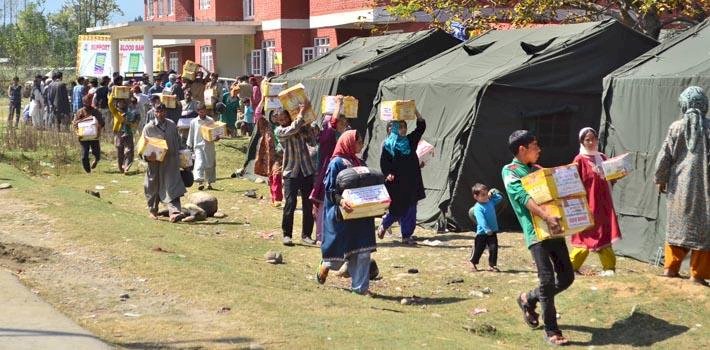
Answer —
298 169
162 178
14 93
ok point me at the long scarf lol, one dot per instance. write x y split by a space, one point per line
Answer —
694 106
346 147
395 142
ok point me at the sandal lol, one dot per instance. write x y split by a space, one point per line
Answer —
555 338
530 317
321 273
380 232
700 282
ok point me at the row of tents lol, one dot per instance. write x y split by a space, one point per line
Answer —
553 80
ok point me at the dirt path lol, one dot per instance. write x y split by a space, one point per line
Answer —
27 322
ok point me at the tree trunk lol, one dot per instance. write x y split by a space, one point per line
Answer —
651 24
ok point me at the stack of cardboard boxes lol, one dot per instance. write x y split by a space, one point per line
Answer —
560 192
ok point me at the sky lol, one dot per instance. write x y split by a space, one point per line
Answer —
131 9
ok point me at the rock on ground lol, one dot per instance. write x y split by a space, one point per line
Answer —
206 201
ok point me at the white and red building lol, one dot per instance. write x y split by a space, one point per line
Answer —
235 37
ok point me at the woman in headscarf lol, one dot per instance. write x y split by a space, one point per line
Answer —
334 126
403 177
683 172
231 106
351 240
606 228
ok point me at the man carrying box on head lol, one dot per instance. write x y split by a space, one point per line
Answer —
162 178
299 168
205 155
554 268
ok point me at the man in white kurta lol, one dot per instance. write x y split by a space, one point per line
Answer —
204 170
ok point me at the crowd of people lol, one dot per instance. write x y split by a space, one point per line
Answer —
304 159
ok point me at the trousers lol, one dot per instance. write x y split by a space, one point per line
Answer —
554 270
479 246
407 222
93 147
292 187
606 256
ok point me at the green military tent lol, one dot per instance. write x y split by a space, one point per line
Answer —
357 66
546 79
640 102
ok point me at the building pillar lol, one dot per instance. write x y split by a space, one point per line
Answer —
115 57
148 53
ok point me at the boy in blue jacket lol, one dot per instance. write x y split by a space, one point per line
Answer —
483 213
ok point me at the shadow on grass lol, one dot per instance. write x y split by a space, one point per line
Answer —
186 344
19 332
638 330
421 300
393 244
212 223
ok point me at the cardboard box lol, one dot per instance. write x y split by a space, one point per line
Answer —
292 97
425 151
547 184
189 69
170 101
122 92
348 108
367 202
209 94
574 214
617 167
274 89
185 158
211 132
88 130
273 103
398 110
152 148
184 123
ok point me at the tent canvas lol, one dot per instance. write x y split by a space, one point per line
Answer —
546 79
640 101
357 66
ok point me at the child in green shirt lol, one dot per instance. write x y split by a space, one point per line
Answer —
554 268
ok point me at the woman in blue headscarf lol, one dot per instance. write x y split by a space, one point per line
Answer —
683 172
400 164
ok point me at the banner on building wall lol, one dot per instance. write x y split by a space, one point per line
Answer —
94 56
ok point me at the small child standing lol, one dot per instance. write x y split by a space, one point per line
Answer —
276 184
483 213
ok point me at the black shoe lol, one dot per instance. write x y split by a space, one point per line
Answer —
234 175
94 164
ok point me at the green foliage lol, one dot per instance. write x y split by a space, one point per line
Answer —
648 16
34 38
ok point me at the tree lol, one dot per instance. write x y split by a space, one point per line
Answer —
648 16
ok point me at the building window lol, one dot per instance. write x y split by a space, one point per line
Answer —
309 53
206 57
269 46
248 9
170 7
149 9
204 4
173 61
256 62
321 45
160 8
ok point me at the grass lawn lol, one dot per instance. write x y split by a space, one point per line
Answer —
205 285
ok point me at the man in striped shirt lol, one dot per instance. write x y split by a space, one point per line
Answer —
299 166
